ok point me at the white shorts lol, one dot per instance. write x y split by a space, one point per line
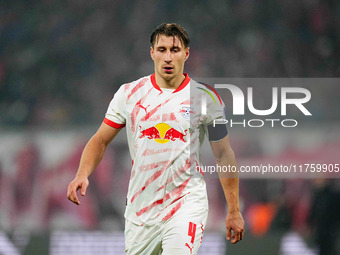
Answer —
181 234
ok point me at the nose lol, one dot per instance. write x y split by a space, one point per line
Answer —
168 57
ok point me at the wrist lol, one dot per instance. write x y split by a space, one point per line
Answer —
81 176
234 209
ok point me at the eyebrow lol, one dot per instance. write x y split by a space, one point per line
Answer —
172 48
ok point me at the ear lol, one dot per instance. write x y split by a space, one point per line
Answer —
187 53
151 52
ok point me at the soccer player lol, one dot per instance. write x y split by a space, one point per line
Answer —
166 116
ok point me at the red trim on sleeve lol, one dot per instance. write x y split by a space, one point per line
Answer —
113 124
182 86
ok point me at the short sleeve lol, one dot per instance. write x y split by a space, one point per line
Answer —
215 107
116 112
215 110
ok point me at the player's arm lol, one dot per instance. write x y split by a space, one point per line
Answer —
225 156
91 157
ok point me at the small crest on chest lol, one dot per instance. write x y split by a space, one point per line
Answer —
186 112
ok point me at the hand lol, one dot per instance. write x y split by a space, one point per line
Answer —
78 183
235 226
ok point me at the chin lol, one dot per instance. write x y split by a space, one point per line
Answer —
168 76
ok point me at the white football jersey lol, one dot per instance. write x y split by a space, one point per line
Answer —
165 129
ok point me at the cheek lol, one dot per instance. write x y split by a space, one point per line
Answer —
157 58
181 60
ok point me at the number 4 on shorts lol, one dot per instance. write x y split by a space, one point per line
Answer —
191 233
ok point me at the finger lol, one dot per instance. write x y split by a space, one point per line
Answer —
237 236
242 232
74 198
69 191
72 195
241 235
228 234
83 189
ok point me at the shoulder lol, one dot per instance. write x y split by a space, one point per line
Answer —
135 84
206 89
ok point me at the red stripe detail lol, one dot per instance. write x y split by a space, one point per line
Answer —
133 173
113 124
136 110
180 87
176 193
178 198
147 208
186 102
173 211
138 86
169 117
150 180
148 151
154 110
178 173
213 90
127 86
152 165
134 113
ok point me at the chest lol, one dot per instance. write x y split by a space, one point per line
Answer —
168 116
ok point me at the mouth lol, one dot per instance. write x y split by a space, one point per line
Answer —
168 69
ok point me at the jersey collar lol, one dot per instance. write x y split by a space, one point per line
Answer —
180 87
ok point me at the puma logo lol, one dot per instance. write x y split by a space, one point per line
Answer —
145 108
190 248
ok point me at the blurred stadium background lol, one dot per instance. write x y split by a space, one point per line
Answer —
60 64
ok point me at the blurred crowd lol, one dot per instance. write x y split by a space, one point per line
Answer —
62 61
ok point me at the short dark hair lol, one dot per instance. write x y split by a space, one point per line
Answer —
170 29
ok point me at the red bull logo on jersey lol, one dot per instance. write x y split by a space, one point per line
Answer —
162 133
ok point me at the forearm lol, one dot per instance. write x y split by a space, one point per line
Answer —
91 157
229 180
225 159
231 193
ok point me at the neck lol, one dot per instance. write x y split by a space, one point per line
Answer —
173 83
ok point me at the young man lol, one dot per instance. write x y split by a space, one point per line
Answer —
165 121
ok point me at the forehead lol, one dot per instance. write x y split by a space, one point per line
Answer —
168 41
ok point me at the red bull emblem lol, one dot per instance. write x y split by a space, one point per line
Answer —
163 133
